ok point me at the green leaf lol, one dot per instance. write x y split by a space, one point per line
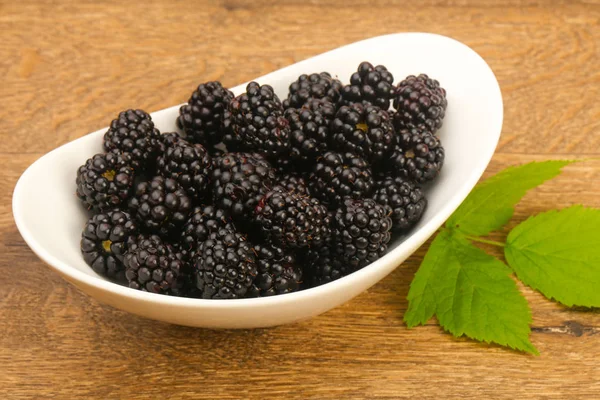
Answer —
471 293
491 204
558 253
421 296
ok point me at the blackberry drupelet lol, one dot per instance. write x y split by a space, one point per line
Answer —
133 131
291 220
189 164
419 156
153 266
104 242
187 285
203 221
217 152
286 165
419 100
339 175
370 84
278 272
309 127
294 183
225 265
365 130
255 122
160 205
361 230
171 138
313 86
105 180
201 118
404 200
323 265
131 117
239 181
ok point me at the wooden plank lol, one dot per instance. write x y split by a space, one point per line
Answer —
69 67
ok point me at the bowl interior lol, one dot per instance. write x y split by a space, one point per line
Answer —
50 217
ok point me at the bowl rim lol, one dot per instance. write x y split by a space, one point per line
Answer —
414 240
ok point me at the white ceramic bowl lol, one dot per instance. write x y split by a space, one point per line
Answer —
50 217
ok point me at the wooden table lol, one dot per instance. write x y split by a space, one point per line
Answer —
70 66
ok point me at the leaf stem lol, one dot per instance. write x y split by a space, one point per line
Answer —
486 241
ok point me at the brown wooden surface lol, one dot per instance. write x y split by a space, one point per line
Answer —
70 66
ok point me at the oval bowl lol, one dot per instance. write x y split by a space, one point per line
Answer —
50 217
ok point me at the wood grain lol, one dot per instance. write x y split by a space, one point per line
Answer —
69 67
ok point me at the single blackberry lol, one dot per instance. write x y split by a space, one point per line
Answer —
104 242
133 131
255 122
313 86
105 180
160 205
225 266
189 164
294 183
404 200
239 181
203 221
323 265
361 230
278 272
419 156
365 130
338 175
202 117
419 100
152 265
373 85
309 130
290 220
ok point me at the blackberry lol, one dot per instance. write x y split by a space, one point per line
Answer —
323 266
373 85
153 266
365 130
313 86
294 183
202 117
419 156
338 175
404 200
290 220
255 122
105 180
133 131
419 100
104 242
310 130
203 221
239 181
189 164
225 266
361 229
278 272
160 205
